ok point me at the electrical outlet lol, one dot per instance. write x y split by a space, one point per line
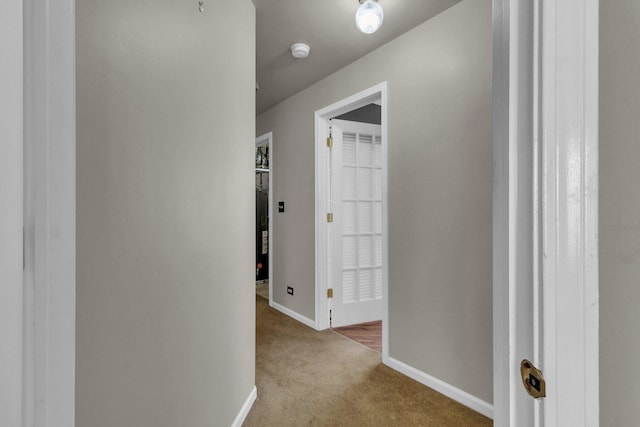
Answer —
289 290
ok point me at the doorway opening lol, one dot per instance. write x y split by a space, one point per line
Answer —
351 217
264 215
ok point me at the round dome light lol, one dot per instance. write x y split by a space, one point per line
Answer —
369 16
300 50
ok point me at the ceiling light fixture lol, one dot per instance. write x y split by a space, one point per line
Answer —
369 16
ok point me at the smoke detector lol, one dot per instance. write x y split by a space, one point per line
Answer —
300 50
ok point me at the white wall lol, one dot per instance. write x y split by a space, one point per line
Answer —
11 119
165 212
619 212
440 183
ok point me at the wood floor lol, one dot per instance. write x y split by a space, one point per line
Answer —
369 334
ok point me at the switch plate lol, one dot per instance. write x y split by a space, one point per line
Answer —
280 206
289 290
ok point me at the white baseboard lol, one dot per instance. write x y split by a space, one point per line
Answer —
299 317
440 386
244 411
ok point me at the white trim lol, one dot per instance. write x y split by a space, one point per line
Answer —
514 320
360 99
299 317
11 212
246 407
569 141
267 138
385 218
50 184
440 386
321 205
353 102
501 354
546 130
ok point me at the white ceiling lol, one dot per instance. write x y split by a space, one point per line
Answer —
327 26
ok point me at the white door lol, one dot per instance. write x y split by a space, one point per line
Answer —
357 238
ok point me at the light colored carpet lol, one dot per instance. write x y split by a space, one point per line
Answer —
305 377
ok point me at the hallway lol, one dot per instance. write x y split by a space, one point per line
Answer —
306 377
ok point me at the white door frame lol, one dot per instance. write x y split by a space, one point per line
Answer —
546 122
11 212
267 138
569 36
323 251
49 213
513 210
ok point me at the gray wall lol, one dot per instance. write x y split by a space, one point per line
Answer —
619 212
165 212
440 183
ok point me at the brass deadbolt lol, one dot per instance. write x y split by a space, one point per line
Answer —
532 380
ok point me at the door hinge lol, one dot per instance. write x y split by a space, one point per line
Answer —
532 380
329 217
330 293
329 142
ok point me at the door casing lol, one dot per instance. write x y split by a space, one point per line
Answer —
11 213
546 209
49 142
267 138
322 231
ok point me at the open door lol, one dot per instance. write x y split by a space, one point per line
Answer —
362 256
357 235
